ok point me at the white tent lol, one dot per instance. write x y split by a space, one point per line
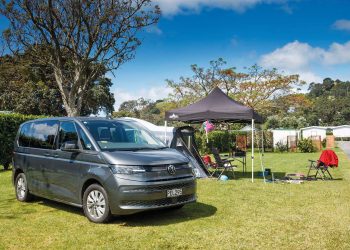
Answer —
160 131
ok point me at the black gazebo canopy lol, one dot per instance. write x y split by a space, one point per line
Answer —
216 107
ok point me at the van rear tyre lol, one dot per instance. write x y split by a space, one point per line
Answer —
21 187
96 204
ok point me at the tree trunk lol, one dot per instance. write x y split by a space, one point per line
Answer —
71 100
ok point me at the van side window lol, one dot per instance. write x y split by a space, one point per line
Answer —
67 133
24 135
43 134
84 140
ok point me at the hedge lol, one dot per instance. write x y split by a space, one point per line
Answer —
9 124
225 141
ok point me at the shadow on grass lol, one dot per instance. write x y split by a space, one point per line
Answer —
156 217
59 206
168 216
8 209
248 175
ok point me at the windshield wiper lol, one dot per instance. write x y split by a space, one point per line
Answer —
137 149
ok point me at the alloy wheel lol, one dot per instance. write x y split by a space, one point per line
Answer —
96 204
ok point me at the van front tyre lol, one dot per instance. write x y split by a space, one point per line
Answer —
96 204
21 186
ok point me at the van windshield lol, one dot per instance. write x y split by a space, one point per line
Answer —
122 135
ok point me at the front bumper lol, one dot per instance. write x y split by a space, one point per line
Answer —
133 196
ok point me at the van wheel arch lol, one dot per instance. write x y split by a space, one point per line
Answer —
86 184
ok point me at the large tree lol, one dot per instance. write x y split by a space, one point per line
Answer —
256 87
143 109
331 103
81 35
29 87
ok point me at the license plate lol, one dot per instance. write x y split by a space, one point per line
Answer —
174 192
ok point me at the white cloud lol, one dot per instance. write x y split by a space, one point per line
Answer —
153 93
337 54
342 24
172 7
299 58
294 56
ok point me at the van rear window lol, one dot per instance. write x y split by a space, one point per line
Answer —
40 134
24 136
44 134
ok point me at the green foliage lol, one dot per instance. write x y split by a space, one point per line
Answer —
329 131
305 145
281 147
29 87
224 141
324 142
254 87
9 124
331 103
272 122
141 108
286 122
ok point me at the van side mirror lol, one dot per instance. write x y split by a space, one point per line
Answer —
70 146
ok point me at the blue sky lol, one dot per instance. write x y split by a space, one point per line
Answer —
308 37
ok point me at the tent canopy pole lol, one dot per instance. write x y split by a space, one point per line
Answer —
252 150
165 132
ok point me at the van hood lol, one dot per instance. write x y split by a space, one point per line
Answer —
145 157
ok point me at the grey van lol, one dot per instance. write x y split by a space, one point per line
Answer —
107 167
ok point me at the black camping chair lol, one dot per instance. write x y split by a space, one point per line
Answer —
222 165
321 166
321 170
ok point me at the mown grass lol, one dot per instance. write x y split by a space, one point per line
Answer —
236 214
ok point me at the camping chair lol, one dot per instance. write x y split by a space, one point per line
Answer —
328 159
222 165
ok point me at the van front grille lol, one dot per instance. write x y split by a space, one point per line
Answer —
160 202
160 188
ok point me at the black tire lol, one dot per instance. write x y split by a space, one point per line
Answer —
21 187
93 208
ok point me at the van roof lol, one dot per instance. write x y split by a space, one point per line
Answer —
78 118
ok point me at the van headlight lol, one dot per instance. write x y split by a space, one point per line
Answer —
128 170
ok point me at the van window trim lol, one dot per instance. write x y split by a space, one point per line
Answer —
78 126
92 151
58 136
31 127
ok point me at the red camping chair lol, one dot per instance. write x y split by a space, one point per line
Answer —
328 159
208 163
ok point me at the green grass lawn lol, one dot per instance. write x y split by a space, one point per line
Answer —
228 215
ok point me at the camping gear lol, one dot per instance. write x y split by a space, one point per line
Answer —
184 141
223 178
328 159
207 160
266 173
217 107
222 164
